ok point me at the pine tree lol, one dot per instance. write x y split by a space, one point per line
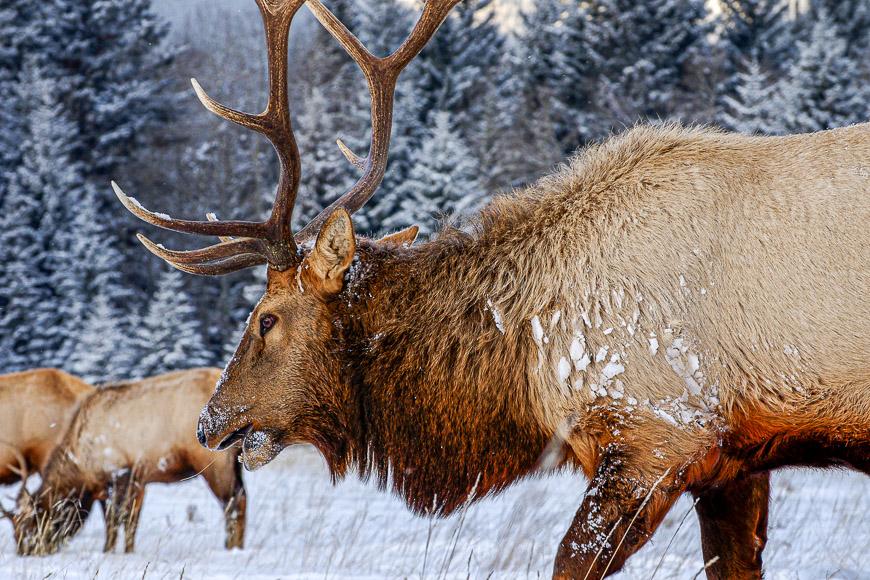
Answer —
757 30
443 179
822 89
20 298
13 45
41 302
382 25
94 277
325 170
516 146
110 61
331 106
852 17
461 62
749 110
105 349
641 51
169 336
552 67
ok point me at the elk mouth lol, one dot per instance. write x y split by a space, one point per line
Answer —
259 447
234 437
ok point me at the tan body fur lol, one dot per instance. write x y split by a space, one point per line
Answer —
35 409
727 276
124 437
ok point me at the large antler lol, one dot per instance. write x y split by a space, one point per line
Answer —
381 75
245 244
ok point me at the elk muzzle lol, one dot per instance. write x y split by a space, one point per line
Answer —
218 429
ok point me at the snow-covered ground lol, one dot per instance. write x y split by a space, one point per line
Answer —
299 526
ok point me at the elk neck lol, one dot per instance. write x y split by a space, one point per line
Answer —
444 406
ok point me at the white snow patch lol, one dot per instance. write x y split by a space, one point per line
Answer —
612 369
601 354
496 316
537 330
564 369
577 349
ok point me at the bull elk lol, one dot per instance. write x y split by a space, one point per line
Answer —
35 408
675 310
123 437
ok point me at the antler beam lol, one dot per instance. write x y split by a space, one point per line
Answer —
243 243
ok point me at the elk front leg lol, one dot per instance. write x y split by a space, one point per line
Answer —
110 517
132 509
733 520
224 478
234 513
113 506
620 511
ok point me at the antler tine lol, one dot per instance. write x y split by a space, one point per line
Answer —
272 239
207 228
220 258
210 254
221 267
381 75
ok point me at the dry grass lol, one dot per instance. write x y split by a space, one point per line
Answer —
301 527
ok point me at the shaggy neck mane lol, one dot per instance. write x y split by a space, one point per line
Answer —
442 405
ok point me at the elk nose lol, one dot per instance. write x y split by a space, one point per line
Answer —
200 433
209 426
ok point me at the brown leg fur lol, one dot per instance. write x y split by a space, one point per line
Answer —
733 520
132 510
110 517
224 478
622 508
113 506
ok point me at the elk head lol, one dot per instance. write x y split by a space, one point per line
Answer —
45 520
285 371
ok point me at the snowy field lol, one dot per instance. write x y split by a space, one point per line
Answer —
299 526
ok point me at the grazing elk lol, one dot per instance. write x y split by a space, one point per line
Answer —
35 408
676 310
123 437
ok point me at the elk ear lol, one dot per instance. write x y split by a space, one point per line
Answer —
333 251
404 237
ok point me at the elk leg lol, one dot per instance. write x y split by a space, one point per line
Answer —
132 509
110 517
225 481
113 509
619 513
234 514
733 521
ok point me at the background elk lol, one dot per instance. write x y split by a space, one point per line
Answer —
35 408
122 438
673 311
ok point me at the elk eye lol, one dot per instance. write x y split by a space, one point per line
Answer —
267 323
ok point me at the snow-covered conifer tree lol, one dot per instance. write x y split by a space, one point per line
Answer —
169 335
40 299
644 49
749 110
823 88
443 180
105 348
